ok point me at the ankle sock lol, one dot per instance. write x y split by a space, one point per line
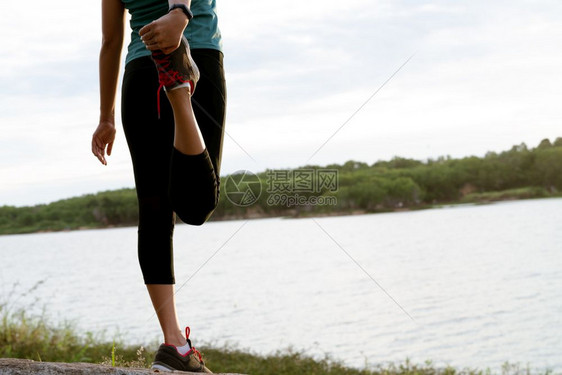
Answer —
183 349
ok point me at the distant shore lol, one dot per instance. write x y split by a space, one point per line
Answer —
484 200
352 188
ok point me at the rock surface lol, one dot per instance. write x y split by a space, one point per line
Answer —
12 366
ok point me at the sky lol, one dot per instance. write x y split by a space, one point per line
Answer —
309 82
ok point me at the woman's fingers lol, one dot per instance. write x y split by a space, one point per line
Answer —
103 137
164 33
151 43
101 157
98 149
149 35
95 148
145 29
98 153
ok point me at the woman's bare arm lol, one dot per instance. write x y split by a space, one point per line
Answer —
113 23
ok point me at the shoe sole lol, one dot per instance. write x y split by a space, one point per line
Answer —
187 85
160 367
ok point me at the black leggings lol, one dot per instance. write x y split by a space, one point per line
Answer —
166 180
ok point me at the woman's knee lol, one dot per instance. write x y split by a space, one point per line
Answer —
199 209
193 187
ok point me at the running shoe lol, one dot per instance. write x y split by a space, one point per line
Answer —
176 70
168 358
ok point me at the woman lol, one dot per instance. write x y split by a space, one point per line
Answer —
175 140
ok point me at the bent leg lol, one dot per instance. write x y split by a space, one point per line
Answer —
195 162
187 139
193 187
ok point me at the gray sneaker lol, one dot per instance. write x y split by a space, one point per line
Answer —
176 70
168 359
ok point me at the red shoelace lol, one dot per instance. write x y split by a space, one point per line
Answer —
187 332
166 76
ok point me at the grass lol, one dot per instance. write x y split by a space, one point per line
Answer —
31 337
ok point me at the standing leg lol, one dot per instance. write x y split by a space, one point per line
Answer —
150 139
195 163
209 108
162 297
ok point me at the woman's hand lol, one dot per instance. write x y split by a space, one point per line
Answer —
164 33
103 136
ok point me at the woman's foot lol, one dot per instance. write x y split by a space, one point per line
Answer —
168 358
176 70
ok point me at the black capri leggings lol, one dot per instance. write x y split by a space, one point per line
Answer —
166 180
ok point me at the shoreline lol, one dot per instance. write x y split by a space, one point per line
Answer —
295 214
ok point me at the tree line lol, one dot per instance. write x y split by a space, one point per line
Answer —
400 183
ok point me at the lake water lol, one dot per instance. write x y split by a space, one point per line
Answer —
468 286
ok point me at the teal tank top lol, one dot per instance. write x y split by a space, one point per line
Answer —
201 32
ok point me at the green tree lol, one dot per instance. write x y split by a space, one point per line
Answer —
545 143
